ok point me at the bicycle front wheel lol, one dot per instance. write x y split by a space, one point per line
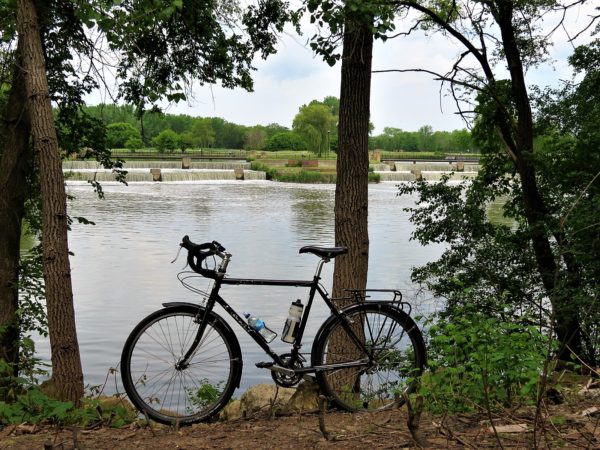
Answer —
166 390
368 358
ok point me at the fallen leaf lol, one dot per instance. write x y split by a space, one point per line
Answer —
589 411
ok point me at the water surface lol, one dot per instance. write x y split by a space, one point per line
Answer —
122 267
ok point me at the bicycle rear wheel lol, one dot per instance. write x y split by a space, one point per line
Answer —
381 370
163 390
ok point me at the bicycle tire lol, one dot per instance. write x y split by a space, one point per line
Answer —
175 396
394 344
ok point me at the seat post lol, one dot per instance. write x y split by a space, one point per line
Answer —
320 266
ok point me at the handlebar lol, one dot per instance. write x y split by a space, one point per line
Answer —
197 253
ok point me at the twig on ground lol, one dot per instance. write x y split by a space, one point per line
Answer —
322 410
149 423
75 439
414 418
445 431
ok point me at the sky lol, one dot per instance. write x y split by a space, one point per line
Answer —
294 76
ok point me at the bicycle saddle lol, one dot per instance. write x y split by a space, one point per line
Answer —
324 252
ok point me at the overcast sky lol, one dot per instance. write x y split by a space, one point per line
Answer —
294 76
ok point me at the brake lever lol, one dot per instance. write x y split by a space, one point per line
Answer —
178 252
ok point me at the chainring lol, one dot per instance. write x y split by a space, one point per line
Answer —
284 379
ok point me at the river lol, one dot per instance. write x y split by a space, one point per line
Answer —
122 271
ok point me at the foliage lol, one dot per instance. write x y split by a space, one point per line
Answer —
423 140
185 141
305 176
525 164
256 139
117 134
374 177
134 143
478 361
287 140
31 314
215 132
333 13
33 406
314 123
269 171
175 41
167 140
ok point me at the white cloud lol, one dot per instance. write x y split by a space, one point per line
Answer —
295 76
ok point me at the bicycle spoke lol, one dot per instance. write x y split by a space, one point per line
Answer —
391 355
158 385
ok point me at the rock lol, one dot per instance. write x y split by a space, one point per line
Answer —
513 428
232 411
305 398
260 397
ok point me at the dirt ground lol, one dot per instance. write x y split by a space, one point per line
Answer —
573 425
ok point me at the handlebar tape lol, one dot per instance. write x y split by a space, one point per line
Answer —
198 253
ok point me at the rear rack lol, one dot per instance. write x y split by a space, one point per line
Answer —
389 296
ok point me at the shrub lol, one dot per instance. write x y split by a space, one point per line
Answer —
374 177
477 360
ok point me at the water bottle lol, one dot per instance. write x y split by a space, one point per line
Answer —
260 326
293 321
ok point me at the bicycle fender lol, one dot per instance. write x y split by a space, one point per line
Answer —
216 318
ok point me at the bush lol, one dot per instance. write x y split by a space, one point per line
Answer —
33 406
477 360
270 172
305 176
374 177
167 140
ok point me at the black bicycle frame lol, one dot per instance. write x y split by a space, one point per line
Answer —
314 285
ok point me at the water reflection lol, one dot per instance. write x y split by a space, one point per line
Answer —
312 214
122 272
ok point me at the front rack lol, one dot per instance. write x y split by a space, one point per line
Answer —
191 280
390 296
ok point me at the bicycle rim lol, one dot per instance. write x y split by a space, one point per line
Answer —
166 393
393 357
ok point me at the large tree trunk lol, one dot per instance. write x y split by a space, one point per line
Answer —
66 363
351 191
15 162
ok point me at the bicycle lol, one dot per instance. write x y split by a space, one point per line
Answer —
182 363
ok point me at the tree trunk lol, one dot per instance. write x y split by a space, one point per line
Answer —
351 191
567 325
67 375
15 163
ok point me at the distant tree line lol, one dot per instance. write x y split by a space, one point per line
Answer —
314 128
424 139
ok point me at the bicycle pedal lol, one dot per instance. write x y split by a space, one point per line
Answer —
265 365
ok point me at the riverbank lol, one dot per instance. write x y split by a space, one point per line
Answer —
572 423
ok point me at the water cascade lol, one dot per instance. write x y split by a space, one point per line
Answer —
170 171
409 171
395 176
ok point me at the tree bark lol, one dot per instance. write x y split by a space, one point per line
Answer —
351 191
15 163
567 325
67 374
